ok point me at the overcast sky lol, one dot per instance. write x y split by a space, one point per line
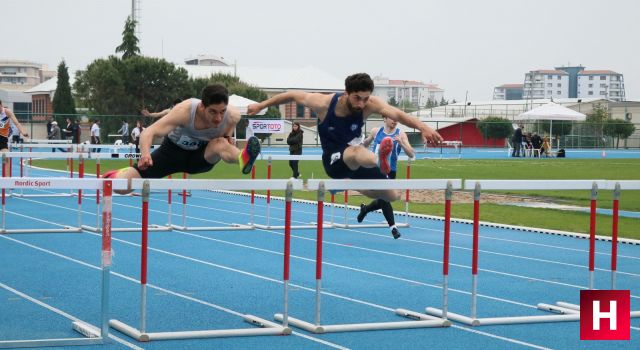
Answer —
460 45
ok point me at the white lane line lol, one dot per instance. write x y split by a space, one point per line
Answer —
515 341
64 314
167 291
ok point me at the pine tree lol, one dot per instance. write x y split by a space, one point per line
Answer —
129 46
63 102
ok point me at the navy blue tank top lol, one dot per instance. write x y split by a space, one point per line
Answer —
336 132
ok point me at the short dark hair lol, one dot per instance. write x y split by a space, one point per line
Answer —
358 82
215 94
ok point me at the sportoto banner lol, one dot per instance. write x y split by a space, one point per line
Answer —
268 126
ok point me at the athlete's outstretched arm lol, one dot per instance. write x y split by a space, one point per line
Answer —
314 101
178 116
15 121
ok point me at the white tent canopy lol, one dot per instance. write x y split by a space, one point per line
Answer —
241 103
552 111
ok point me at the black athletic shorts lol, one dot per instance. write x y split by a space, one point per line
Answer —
337 169
4 142
170 159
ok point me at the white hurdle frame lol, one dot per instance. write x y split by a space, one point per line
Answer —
93 335
42 183
184 227
419 320
332 223
563 313
266 327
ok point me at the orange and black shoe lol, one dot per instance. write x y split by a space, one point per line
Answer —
249 154
384 155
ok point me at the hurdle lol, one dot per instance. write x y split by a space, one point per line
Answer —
92 334
43 155
331 223
266 327
184 227
563 311
562 307
419 320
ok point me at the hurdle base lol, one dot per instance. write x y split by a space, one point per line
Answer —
232 227
385 225
126 229
420 316
489 321
67 229
564 307
359 327
267 328
92 334
311 225
22 195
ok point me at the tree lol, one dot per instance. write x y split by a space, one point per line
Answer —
595 122
392 101
454 101
129 46
560 127
63 102
443 102
495 128
618 129
429 103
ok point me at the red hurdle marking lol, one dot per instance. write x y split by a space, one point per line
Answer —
98 176
592 234
614 235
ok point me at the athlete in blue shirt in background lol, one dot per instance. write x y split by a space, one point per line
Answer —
400 142
340 120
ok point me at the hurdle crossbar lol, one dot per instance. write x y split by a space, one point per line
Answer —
266 327
419 320
93 335
563 312
49 183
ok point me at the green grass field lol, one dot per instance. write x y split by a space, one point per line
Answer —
556 169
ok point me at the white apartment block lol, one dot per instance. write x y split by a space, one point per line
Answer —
605 84
545 84
417 92
19 75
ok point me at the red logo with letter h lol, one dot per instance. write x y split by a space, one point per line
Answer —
604 314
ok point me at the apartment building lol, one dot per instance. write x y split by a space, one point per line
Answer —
508 92
417 92
605 84
545 84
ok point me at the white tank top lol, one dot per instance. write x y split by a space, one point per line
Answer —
188 138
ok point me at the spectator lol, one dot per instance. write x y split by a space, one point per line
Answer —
95 135
49 123
54 134
528 145
135 135
294 140
124 131
516 141
536 142
75 128
546 147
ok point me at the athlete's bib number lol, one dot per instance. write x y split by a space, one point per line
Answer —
189 143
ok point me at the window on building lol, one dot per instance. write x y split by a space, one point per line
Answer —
603 77
603 85
590 85
549 84
549 92
590 92
603 92
591 77
559 77
558 93
299 111
549 76
559 85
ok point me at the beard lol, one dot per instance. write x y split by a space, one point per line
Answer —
353 109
